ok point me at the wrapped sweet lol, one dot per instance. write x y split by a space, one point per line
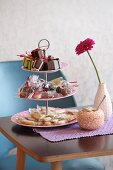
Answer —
25 92
36 60
36 88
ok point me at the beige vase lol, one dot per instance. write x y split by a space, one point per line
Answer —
106 105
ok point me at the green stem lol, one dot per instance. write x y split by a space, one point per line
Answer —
94 67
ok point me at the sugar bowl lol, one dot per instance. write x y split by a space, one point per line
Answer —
90 118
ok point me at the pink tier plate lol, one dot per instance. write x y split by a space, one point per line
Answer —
63 66
54 98
25 113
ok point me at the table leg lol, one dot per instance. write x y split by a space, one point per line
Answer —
20 159
56 165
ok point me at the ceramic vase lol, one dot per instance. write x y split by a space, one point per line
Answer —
106 105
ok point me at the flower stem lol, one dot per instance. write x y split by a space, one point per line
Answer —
94 67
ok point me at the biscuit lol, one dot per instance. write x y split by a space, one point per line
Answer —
55 116
24 121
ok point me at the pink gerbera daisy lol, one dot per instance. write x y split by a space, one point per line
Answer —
85 46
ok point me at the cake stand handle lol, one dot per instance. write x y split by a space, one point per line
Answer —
44 46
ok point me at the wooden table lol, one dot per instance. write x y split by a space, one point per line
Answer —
40 149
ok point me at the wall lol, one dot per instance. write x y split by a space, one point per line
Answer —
64 23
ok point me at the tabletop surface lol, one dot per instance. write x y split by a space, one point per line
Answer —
45 151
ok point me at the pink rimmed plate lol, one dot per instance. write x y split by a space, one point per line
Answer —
63 66
15 117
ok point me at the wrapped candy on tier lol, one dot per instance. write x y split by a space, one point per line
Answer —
36 88
37 60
